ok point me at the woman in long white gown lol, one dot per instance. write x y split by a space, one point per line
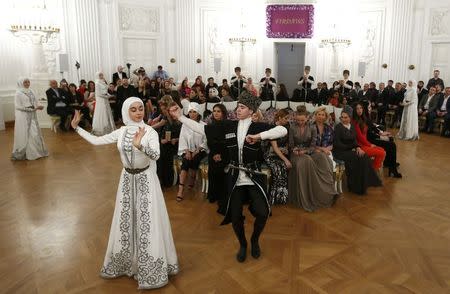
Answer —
28 140
140 241
103 120
409 127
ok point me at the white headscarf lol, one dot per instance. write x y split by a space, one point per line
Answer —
20 87
126 117
97 78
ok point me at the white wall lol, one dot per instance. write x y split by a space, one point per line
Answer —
102 34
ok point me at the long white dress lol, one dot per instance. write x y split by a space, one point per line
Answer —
28 140
409 126
140 241
103 121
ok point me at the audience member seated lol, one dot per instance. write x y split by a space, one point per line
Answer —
385 140
311 179
324 132
226 97
360 174
361 126
224 85
334 98
382 103
213 96
76 101
192 148
394 100
276 157
82 87
427 109
251 88
58 104
282 94
443 109
160 73
210 85
89 96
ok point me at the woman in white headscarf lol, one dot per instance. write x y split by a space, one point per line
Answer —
140 241
409 127
28 140
103 121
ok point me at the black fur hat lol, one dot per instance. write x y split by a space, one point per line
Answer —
249 100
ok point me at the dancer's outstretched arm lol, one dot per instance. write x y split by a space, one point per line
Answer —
94 140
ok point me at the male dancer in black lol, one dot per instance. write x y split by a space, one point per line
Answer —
237 82
306 82
267 83
242 140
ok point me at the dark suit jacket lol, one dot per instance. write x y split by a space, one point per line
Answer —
115 77
432 105
52 99
433 82
441 101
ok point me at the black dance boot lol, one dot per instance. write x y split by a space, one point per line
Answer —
257 230
240 234
393 172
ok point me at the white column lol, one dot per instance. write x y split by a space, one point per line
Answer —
83 36
185 12
400 40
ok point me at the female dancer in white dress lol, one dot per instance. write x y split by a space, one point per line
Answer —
140 242
28 141
409 127
103 121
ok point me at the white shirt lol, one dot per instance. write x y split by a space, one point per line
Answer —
427 105
444 104
242 130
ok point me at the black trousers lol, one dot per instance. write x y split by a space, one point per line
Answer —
63 113
257 206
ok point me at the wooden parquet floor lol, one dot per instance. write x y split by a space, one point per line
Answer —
55 215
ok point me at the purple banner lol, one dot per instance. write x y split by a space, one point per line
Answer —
289 21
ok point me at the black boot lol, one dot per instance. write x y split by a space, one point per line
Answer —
393 172
257 230
240 234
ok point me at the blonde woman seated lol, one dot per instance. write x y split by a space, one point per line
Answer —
192 147
310 181
324 139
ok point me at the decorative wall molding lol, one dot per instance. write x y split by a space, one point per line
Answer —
139 19
439 22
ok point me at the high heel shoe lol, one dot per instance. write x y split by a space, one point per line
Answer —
393 173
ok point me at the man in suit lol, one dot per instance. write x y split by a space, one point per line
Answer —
427 108
364 95
435 80
421 91
119 75
58 104
382 103
123 92
315 94
443 110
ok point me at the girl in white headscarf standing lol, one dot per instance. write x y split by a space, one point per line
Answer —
409 127
103 121
140 241
28 140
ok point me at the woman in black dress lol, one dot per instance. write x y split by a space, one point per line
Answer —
216 158
276 158
385 140
169 135
358 168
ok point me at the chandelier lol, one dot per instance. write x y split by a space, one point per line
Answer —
333 41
